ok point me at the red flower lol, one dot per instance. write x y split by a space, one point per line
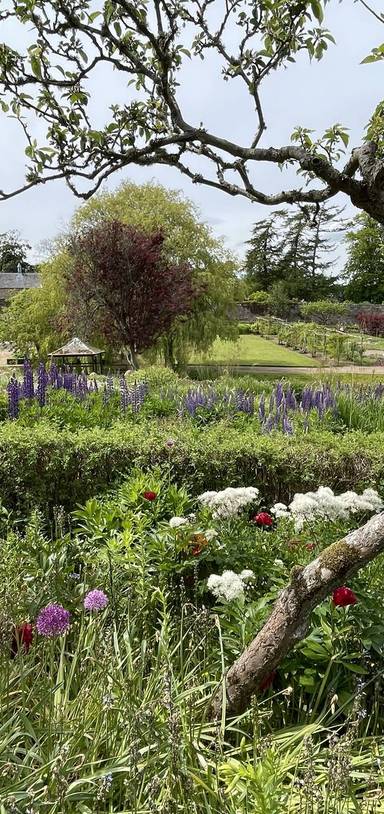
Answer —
344 596
150 495
197 549
22 635
267 681
263 519
310 546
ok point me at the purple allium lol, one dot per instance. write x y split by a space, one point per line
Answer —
170 443
53 620
95 600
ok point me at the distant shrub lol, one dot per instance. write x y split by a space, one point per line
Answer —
261 297
323 311
371 322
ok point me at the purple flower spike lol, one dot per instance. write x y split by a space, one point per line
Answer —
95 600
53 620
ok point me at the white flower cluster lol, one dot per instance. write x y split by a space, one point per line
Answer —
229 585
228 502
176 522
325 504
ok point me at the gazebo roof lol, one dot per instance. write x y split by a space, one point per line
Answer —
76 347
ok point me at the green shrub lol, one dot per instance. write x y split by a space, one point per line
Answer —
46 467
324 311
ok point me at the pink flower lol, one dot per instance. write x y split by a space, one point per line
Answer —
343 596
310 546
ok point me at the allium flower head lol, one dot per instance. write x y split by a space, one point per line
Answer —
344 596
53 620
95 600
148 495
170 443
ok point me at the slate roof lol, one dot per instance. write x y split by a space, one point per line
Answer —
76 347
11 281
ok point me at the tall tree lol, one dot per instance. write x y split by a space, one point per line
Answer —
187 239
123 287
297 249
147 43
364 270
13 253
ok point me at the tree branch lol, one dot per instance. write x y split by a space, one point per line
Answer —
290 617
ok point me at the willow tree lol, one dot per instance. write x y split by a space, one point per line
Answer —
148 43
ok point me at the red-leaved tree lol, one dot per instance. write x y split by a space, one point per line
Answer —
123 288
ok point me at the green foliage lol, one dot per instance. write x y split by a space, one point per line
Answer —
187 240
324 311
294 251
364 269
114 717
13 254
48 467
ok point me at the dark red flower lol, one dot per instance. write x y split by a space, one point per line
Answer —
150 495
197 549
263 519
344 596
310 546
22 636
267 681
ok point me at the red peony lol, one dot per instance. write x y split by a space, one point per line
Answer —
150 495
310 546
267 681
22 636
263 519
343 596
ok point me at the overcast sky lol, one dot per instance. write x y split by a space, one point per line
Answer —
338 89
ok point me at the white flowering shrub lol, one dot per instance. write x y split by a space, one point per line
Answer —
229 586
324 504
230 501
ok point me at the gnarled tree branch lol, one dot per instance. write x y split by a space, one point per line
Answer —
290 617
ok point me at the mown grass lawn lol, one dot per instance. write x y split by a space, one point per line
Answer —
254 350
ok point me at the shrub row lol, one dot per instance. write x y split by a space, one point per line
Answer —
44 467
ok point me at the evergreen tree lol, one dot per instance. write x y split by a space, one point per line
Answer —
13 253
295 250
364 269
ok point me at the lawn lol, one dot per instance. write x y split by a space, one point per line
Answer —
254 350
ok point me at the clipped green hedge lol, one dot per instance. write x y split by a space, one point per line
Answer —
46 467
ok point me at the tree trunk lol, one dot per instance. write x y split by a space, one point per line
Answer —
290 617
131 356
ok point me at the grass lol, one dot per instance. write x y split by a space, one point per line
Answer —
253 350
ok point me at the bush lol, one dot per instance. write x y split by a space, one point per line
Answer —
325 312
371 322
46 467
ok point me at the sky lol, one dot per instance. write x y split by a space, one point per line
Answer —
317 95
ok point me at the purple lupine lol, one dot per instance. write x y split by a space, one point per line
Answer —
42 382
262 407
279 393
123 393
28 385
13 397
290 399
287 426
53 375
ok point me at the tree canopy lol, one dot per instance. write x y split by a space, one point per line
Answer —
13 253
364 269
296 249
148 43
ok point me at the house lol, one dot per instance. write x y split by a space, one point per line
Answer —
11 283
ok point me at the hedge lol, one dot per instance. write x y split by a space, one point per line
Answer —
46 467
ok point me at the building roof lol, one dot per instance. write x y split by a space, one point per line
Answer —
11 281
76 347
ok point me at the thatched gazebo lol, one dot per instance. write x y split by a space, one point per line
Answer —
77 353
